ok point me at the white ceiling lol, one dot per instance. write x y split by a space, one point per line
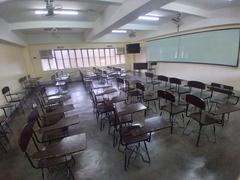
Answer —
210 4
22 10
98 17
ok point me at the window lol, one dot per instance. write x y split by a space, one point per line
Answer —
76 58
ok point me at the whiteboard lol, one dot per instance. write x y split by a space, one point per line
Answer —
219 47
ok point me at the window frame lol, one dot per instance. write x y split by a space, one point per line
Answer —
94 63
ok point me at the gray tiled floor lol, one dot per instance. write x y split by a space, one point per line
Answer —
173 157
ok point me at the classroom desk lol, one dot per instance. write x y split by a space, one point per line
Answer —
58 99
125 109
225 109
101 92
7 106
65 122
67 146
63 78
118 99
152 124
60 109
96 85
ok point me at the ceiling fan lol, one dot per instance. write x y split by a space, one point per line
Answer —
50 7
132 34
178 20
56 9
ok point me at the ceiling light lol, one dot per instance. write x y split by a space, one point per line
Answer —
148 18
66 12
41 12
154 15
119 31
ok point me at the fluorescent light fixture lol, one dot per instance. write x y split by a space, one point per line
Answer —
154 15
40 12
148 18
64 12
119 31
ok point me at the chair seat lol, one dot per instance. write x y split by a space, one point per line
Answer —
206 118
154 82
45 163
134 93
149 96
176 109
204 95
181 90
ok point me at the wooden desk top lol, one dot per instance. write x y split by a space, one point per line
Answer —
226 108
125 109
61 109
67 146
100 86
101 92
118 99
7 105
153 124
32 80
65 122
59 99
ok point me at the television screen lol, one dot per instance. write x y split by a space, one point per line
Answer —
153 63
139 66
133 48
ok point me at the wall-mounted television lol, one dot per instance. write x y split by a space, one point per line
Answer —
139 66
133 48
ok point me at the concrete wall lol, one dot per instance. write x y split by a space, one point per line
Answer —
33 62
12 67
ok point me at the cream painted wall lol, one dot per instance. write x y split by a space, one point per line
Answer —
204 73
33 62
12 67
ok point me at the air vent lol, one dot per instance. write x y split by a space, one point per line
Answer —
45 54
120 50
57 29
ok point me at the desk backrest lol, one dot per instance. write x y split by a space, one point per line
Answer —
166 95
140 86
196 84
221 88
25 137
163 78
174 80
196 101
149 75
120 80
